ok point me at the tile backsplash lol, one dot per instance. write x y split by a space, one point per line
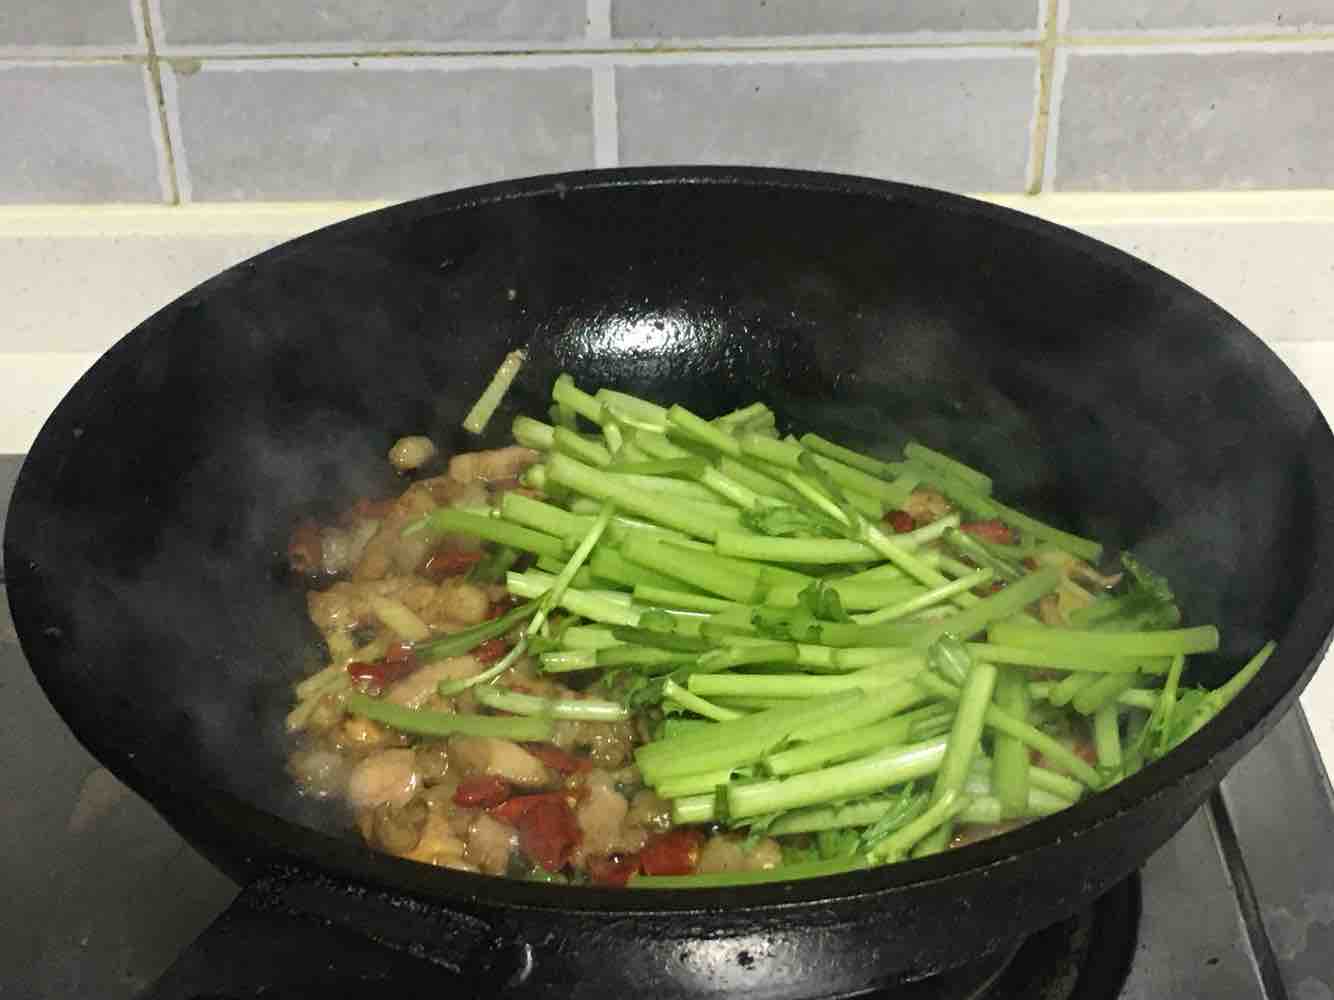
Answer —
194 100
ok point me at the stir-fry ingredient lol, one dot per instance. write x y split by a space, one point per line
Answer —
645 648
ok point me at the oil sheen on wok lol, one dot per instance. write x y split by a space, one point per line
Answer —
646 647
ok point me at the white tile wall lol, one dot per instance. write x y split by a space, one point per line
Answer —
1163 95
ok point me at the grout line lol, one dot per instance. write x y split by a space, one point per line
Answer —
171 106
606 119
599 21
1041 131
1059 71
171 191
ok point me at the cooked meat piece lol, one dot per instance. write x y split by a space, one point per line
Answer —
649 810
726 852
926 505
439 845
385 777
601 814
411 452
490 843
418 687
503 758
491 466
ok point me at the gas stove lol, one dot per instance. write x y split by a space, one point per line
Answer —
102 896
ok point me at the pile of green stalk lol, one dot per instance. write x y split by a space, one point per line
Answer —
808 673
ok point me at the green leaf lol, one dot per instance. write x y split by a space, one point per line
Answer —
782 521
837 843
904 806
949 657
823 602
784 626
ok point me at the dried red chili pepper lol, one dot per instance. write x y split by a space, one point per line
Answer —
482 790
901 521
675 852
557 759
491 651
993 530
447 562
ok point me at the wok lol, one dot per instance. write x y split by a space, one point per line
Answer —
145 537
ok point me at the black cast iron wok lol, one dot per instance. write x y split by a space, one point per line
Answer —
144 538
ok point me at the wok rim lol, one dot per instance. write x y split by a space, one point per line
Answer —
1230 734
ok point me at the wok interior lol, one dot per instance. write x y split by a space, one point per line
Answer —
1113 402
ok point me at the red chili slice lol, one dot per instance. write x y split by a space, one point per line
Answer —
397 664
673 853
447 562
557 759
482 790
491 651
548 830
901 521
993 530
613 871
516 808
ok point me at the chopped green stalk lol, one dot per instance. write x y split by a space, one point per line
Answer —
1107 736
588 637
1029 735
821 551
465 640
892 494
870 774
759 482
729 421
1104 691
580 709
564 661
966 475
577 446
726 880
608 564
686 699
662 640
691 785
691 809
965 741
840 747
1217 700
1169 695
1161 642
645 658
448 688
699 429
1135 698
681 599
611 433
423 723
684 488
969 547
565 392
875 705
684 468
533 433
802 685
582 579
737 580
1064 691
1009 757
600 606
1068 660
581 478
562 581
995 608
1054 783
732 744
783 454
452 521
633 410
987 810
563 416
929 599
867 464
896 846
489 401
737 656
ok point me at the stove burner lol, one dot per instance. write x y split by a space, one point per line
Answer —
1084 958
